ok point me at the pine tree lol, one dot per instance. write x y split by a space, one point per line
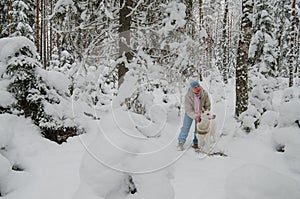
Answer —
4 16
280 8
263 42
32 94
64 20
20 23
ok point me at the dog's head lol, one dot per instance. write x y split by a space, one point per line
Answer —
208 115
203 126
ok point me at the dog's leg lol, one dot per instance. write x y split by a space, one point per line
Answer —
213 132
199 139
202 142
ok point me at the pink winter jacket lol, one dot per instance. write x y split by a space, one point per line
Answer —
189 102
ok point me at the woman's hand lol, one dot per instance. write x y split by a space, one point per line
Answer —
198 118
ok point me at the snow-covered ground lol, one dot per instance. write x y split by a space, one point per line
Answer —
124 150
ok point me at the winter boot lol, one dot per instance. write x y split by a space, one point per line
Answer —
195 145
180 146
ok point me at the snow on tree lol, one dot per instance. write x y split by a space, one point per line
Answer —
20 23
36 92
4 17
263 42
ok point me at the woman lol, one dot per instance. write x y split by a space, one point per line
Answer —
196 101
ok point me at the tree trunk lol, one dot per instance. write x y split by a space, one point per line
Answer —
242 58
279 59
230 46
208 46
37 26
10 18
44 35
124 37
41 30
292 55
225 44
200 14
50 32
200 28
189 25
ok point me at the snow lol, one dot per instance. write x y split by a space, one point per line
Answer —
10 46
123 145
57 79
270 118
176 14
6 97
62 6
122 150
42 168
127 88
268 184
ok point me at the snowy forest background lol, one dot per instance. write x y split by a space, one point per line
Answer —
67 63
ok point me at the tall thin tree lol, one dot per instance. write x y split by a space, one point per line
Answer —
124 35
225 44
37 25
292 56
45 32
242 58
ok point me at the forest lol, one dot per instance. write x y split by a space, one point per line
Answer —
65 64
228 39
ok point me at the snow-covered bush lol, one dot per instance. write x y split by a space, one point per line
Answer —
62 63
124 160
94 87
263 111
270 118
22 74
260 100
250 118
289 111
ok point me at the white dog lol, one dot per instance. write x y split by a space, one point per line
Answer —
206 132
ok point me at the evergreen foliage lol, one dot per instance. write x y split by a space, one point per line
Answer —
32 94
21 16
263 42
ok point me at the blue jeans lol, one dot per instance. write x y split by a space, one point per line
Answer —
187 122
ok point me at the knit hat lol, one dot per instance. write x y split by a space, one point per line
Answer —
194 83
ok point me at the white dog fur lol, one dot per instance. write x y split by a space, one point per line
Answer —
207 140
